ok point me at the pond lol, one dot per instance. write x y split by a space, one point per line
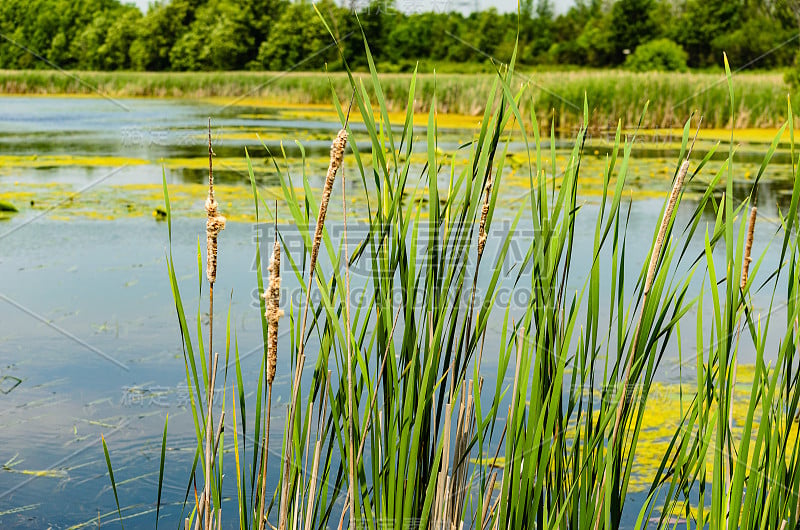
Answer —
89 337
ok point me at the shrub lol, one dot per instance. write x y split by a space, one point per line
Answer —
659 54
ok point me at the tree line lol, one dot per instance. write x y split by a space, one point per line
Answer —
180 35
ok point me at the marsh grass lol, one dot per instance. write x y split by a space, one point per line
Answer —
400 419
614 94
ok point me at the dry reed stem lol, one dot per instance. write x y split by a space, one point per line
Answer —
290 426
312 493
487 497
460 462
205 504
440 501
748 247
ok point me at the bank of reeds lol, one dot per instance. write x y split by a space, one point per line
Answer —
398 426
613 94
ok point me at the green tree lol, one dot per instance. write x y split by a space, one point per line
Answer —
298 37
164 24
701 23
575 22
218 39
631 25
119 38
539 33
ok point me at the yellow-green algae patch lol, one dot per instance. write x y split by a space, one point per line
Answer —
323 112
666 405
62 202
36 161
751 135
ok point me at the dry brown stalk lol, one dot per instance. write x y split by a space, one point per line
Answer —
487 497
440 498
312 493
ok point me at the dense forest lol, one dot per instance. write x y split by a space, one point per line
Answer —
178 35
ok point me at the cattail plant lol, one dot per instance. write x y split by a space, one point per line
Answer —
215 223
336 157
273 313
655 255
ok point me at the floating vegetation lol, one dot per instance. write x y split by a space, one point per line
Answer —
7 207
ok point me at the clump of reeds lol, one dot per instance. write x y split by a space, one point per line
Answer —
555 451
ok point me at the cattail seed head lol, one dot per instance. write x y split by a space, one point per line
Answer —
748 247
274 312
662 231
337 155
484 214
215 223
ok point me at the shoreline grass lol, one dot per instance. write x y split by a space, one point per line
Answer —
614 94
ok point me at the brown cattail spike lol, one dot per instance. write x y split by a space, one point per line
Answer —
748 247
662 231
337 154
215 222
484 214
274 312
